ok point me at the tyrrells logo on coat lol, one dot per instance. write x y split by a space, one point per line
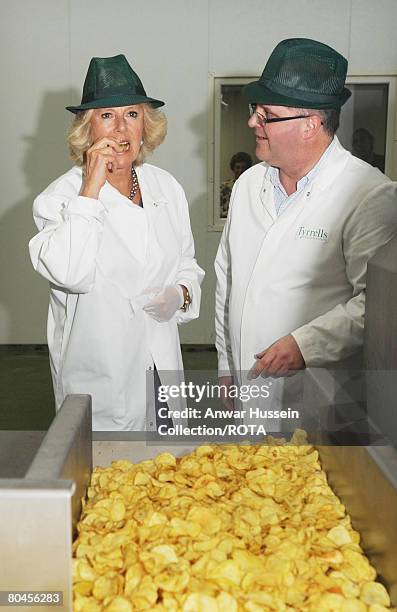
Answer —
310 233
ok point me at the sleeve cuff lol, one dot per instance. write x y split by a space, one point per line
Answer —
224 368
85 207
304 340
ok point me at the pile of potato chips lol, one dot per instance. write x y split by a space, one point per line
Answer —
226 528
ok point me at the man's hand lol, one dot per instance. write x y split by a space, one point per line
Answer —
277 360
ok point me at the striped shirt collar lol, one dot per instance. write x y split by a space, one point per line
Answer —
275 176
282 199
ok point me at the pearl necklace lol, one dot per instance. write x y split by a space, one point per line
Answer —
135 184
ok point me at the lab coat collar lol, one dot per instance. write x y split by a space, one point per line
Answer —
152 195
132 220
111 198
325 175
332 168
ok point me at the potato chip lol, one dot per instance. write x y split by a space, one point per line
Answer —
166 552
84 571
145 595
168 491
357 567
104 587
181 527
329 602
133 577
339 535
87 604
173 579
226 573
247 562
346 587
205 544
209 522
117 510
84 587
353 605
141 479
374 593
226 602
204 451
198 602
251 606
165 460
119 604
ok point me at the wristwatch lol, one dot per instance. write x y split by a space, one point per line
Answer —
187 300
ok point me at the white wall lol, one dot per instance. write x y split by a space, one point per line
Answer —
175 46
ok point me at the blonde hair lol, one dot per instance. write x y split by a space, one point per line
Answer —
154 132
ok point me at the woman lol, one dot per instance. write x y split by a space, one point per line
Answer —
239 163
116 245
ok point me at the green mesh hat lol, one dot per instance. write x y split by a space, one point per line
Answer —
302 73
111 82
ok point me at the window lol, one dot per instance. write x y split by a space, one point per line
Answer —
366 129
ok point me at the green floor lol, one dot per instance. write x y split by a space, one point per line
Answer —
26 398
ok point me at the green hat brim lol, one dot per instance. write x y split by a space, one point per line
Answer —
115 101
258 93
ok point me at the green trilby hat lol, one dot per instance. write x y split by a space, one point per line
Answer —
303 73
111 82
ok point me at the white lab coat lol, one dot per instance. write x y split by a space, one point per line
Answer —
302 272
99 256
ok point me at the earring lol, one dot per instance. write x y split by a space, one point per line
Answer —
141 142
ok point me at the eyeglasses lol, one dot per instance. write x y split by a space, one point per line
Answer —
263 120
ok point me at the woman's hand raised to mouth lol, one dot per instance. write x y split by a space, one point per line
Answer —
100 159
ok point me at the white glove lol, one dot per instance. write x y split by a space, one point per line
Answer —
165 303
138 302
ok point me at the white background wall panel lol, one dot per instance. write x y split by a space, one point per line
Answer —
35 85
242 35
373 46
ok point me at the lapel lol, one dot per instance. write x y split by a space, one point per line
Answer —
267 195
289 215
326 175
126 221
153 197
132 223
332 169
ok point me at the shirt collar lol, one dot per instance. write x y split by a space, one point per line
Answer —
274 175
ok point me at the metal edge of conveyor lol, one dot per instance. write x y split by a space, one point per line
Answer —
365 479
39 512
66 451
36 537
360 477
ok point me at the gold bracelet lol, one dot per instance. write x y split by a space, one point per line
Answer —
187 300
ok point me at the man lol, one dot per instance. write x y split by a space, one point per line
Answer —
363 147
302 225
